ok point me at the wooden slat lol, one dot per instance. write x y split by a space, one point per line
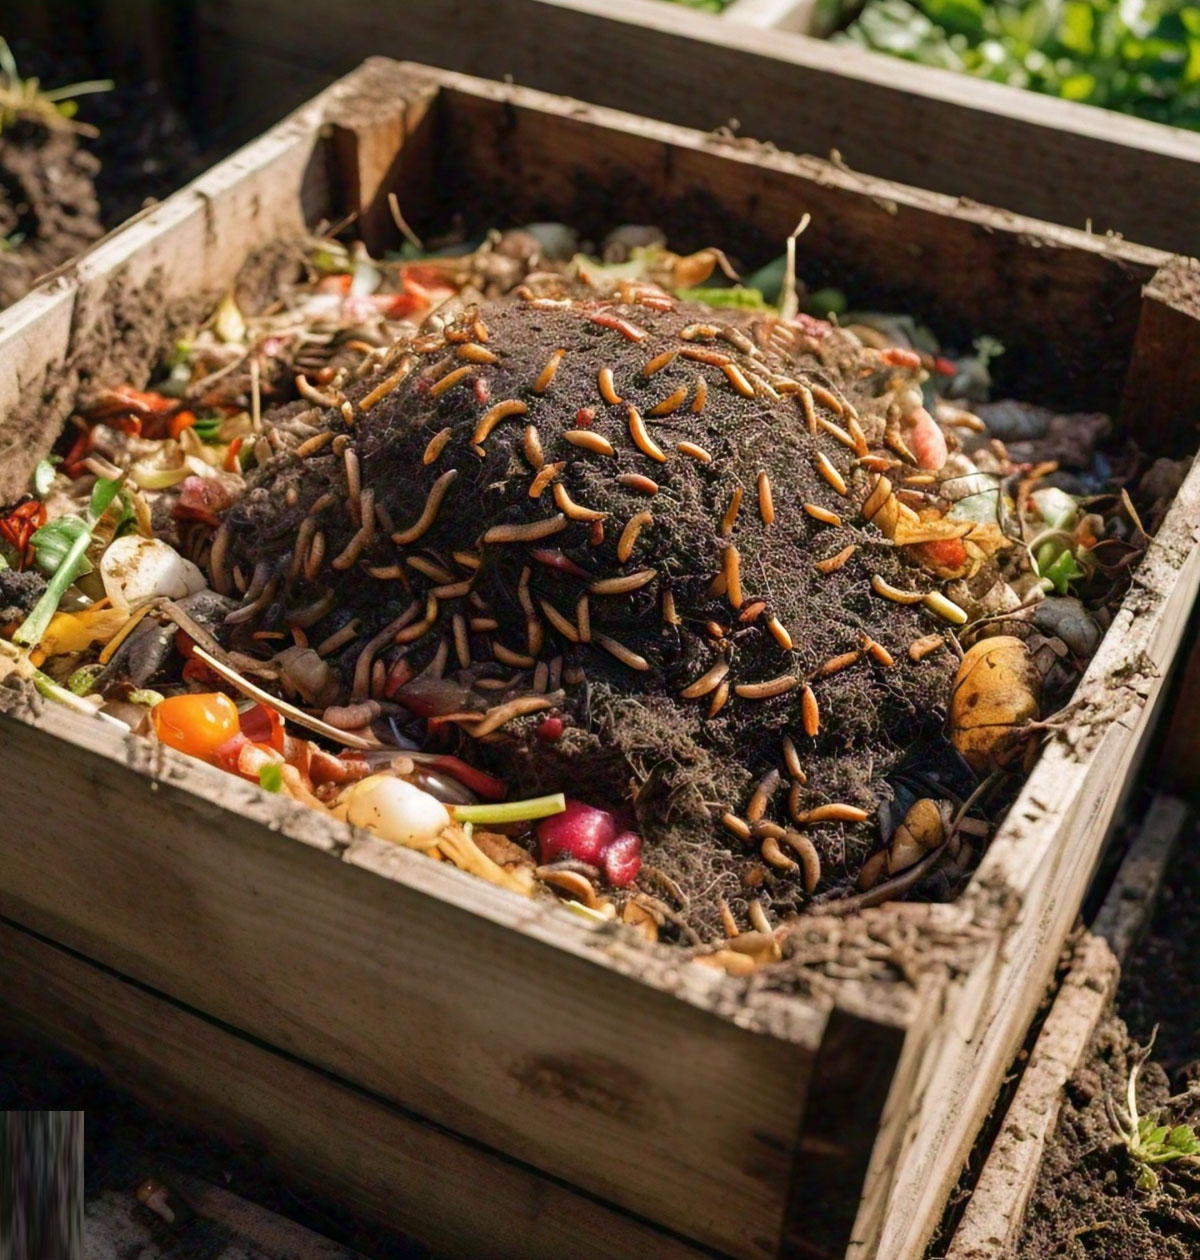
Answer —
1053 159
1029 886
410 1176
894 248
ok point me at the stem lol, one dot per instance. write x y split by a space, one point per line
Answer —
31 630
510 811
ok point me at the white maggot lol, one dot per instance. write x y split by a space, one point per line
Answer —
394 810
136 569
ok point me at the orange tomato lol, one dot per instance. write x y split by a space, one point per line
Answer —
196 724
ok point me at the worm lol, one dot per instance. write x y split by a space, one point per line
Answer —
310 446
314 395
362 666
218 557
429 569
714 358
731 512
694 332
836 430
576 511
824 515
631 332
577 886
467 559
480 625
737 379
696 452
384 388
545 476
635 481
641 438
433 502
492 417
438 388
410 634
791 759
720 696
810 412
349 717
833 563
670 616
559 622
830 473
856 432
547 373
728 922
583 617
604 380
775 856
731 563
437 444
894 593
304 533
452 590
766 499
828 397
523 595
629 535
541 677
810 861
533 447
735 826
621 652
506 656
880 653
339 639
707 682
659 362
779 630
760 798
475 353
302 618
758 918
480 329
497 717
623 585
810 713
531 532
835 812
316 554
462 643
386 572
535 636
835 664
353 483
350 554
919 649
671 403
752 611
701 394
767 690
589 441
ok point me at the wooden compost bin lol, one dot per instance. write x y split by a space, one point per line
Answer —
1059 160
493 1076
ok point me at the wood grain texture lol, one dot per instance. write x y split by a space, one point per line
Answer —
1031 153
410 1176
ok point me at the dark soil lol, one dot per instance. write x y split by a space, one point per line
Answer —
631 738
1087 1203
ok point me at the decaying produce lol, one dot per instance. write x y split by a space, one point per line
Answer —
758 592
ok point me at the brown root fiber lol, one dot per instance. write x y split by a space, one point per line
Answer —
631 739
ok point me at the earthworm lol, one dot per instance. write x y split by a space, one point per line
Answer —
349 717
735 826
810 860
835 812
894 593
547 373
642 439
218 558
623 585
583 617
826 396
791 759
433 502
474 353
760 798
919 649
506 656
497 717
314 395
576 511
836 430
462 642
810 713
758 917
310 446
737 379
312 613
713 358
492 417
837 663
701 395
437 444
578 886
670 616
720 696
631 332
427 568
339 638
936 602
880 653
541 677
467 559
752 611
480 625
694 331
774 856
731 562
304 535
810 412
452 590
728 922
251 610
768 689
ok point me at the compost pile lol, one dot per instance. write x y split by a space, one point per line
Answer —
692 611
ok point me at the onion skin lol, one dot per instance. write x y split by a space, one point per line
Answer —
591 835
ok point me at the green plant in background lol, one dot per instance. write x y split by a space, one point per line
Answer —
1138 56
26 97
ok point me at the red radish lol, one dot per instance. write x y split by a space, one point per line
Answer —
591 835
550 730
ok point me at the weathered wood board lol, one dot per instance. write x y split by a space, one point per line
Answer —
1054 159
694 1104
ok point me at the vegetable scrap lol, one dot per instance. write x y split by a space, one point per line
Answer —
428 542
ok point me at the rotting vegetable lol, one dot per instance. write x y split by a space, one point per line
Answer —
495 524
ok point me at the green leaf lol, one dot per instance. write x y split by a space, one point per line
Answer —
30 631
54 540
739 297
1184 1140
103 493
1077 87
271 776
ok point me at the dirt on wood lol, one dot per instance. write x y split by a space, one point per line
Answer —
1087 1204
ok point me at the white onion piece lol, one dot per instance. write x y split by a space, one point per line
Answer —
136 569
394 810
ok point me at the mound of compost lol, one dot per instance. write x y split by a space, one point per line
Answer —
48 205
617 514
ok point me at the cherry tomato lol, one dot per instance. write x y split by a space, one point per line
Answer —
196 724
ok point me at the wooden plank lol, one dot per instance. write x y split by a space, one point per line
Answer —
748 198
389 1165
883 115
798 16
992 1221
1030 884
